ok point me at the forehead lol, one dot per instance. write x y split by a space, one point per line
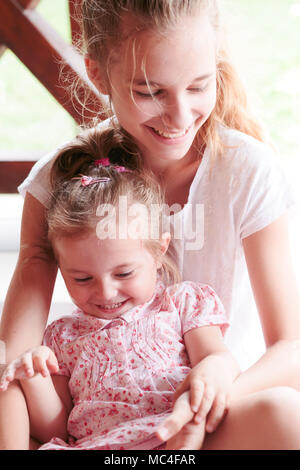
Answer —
185 49
82 253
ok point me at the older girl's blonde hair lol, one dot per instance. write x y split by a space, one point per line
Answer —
73 207
102 33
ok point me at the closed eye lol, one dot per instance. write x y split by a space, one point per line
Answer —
199 89
148 95
124 275
82 279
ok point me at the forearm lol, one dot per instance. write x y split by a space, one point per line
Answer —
27 304
279 366
47 412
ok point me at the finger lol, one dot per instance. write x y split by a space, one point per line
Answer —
206 404
196 394
217 413
8 375
40 365
10 372
52 363
180 389
181 414
3 384
190 437
26 364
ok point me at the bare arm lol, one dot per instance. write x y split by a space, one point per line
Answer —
277 296
214 369
273 280
48 398
49 404
28 299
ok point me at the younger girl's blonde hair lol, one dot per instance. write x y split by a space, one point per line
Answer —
102 28
74 206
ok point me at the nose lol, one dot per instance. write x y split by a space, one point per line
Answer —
177 112
106 289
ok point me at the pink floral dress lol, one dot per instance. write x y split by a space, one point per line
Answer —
123 372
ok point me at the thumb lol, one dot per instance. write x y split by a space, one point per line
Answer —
52 363
180 389
180 415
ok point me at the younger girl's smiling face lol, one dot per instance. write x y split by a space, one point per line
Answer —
105 278
163 88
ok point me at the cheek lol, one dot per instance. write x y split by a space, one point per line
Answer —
147 107
135 110
210 99
79 295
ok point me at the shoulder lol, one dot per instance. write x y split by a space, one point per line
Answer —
198 305
65 329
187 292
247 166
243 151
38 180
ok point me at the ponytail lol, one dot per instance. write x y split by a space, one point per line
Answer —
80 155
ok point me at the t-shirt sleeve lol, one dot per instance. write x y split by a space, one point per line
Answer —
37 182
266 193
198 306
54 339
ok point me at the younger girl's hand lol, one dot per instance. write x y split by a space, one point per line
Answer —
208 395
40 360
209 383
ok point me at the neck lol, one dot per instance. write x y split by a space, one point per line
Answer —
177 188
166 169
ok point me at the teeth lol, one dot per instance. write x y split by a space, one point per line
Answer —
111 306
171 136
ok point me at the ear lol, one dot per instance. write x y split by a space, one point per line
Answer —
96 75
164 242
164 245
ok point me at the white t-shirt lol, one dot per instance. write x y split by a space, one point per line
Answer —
242 192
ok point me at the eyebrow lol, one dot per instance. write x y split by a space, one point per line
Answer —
143 82
121 266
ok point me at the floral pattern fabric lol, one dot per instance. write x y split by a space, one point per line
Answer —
123 372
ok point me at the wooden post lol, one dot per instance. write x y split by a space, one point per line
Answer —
43 51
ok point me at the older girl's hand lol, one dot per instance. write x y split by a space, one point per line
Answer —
179 430
39 360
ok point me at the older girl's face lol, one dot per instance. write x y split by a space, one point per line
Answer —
163 88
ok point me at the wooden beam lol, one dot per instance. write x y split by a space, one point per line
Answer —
12 174
28 3
23 4
43 51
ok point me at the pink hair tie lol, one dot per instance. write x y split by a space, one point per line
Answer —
102 162
106 162
88 180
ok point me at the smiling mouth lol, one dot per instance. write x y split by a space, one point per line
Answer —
111 306
171 135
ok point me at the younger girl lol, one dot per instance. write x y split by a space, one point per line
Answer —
132 339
